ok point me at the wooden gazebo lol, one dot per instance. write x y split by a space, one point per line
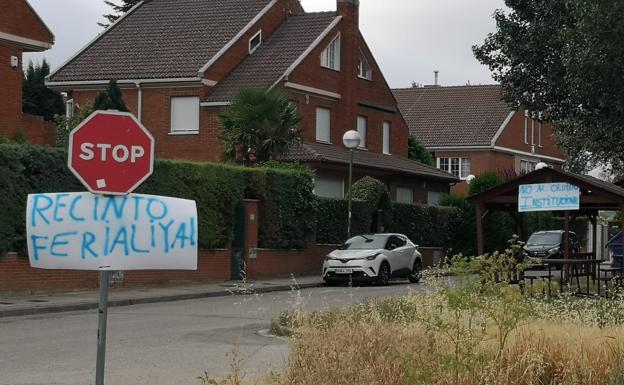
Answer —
595 196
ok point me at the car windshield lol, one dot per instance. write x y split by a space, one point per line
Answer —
365 242
544 239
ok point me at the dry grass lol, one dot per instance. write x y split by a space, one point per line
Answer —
373 350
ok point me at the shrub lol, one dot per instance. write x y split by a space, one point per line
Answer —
286 195
424 225
485 181
376 195
332 219
287 209
25 170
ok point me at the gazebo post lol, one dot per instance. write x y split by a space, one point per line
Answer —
479 218
622 230
567 234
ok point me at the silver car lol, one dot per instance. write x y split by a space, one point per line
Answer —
374 258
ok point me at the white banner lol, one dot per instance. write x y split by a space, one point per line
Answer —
83 231
548 197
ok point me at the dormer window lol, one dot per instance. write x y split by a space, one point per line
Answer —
364 70
330 58
255 42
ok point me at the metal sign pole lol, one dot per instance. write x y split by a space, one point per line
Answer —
102 318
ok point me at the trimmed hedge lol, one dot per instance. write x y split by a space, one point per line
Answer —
430 226
286 195
332 220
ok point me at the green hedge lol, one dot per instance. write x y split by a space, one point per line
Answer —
332 220
287 208
428 226
286 195
25 170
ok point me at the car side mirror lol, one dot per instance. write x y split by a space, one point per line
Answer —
392 246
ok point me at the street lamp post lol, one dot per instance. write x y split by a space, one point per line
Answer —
351 140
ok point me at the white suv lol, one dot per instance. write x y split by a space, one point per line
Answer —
374 257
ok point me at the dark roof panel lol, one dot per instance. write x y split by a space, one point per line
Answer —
317 152
453 116
273 57
162 39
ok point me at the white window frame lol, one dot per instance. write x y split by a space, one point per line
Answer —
405 189
194 130
69 108
386 137
331 179
252 49
539 134
329 113
363 65
436 194
362 129
326 55
527 162
461 163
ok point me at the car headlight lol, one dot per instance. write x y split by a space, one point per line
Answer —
329 258
373 257
554 250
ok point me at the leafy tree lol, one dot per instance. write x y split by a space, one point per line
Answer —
110 99
119 9
64 124
418 152
565 58
259 126
37 99
485 181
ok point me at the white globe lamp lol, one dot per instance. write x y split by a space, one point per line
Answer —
351 139
470 178
541 165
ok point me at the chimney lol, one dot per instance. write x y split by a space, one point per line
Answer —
350 11
436 81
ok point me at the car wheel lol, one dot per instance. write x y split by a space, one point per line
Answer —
414 276
384 274
331 283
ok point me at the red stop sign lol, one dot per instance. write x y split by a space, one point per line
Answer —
111 152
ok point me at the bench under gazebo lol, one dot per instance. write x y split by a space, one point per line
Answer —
548 189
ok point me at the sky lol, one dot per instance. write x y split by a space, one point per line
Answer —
409 38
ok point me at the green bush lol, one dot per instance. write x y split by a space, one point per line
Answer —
424 225
286 195
25 170
485 181
376 196
287 209
332 219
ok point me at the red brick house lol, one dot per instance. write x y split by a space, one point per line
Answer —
180 63
470 130
21 30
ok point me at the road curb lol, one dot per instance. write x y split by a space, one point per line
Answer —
146 300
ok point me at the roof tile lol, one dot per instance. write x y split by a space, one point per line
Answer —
273 57
162 39
317 152
453 116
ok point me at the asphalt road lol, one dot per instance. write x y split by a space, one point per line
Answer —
162 344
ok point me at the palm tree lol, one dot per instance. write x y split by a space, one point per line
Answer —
259 126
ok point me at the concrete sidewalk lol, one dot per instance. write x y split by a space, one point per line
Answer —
20 305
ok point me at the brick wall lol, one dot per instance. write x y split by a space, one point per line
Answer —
18 18
38 131
284 263
351 89
16 275
10 90
513 137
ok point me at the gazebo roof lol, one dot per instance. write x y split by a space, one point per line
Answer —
596 194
